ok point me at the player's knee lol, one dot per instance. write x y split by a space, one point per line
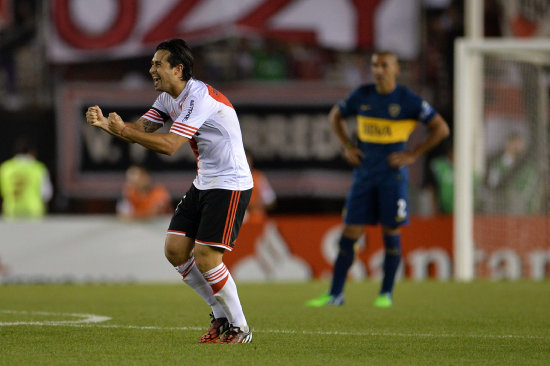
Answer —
391 230
207 257
175 253
392 244
353 231
347 247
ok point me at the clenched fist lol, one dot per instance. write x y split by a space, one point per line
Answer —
115 123
94 117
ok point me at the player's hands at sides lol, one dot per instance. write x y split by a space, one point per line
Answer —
401 158
115 123
94 117
353 155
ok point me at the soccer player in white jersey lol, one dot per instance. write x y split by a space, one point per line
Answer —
208 218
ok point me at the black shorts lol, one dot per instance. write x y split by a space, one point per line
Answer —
211 217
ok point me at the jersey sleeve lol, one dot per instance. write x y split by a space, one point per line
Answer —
157 113
419 109
348 106
195 110
426 112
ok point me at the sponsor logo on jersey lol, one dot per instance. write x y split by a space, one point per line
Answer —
365 107
384 131
189 110
372 129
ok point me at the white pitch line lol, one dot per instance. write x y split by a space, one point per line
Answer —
83 318
281 331
91 321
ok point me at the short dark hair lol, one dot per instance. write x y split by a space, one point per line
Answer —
180 53
385 53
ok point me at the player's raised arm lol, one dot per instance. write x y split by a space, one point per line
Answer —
164 143
145 125
95 117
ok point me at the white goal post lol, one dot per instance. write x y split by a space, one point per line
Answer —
468 135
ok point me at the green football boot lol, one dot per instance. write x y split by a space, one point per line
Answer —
383 301
326 300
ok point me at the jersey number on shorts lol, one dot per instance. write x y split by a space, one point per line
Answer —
401 209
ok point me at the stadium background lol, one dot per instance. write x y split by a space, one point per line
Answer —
282 64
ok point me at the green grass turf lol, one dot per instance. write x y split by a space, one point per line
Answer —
431 323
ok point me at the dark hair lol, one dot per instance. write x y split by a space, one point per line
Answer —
180 53
385 53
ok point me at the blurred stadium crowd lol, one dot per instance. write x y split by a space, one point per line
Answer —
28 81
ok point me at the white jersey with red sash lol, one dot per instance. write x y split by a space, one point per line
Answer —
207 118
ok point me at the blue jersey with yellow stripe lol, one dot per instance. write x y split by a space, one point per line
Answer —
384 123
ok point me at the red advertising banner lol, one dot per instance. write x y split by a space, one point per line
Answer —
303 247
281 248
306 246
512 246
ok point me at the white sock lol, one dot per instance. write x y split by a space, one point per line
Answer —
225 291
194 278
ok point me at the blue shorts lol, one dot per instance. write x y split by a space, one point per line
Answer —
379 200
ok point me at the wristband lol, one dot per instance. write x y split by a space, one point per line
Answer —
349 145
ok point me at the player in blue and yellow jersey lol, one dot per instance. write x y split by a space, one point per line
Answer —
387 113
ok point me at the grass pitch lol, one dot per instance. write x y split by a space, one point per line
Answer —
431 323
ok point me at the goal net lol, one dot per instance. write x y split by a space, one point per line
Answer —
502 159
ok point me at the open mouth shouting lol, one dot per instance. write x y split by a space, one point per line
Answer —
156 81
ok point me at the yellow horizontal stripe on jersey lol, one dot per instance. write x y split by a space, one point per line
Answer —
384 131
